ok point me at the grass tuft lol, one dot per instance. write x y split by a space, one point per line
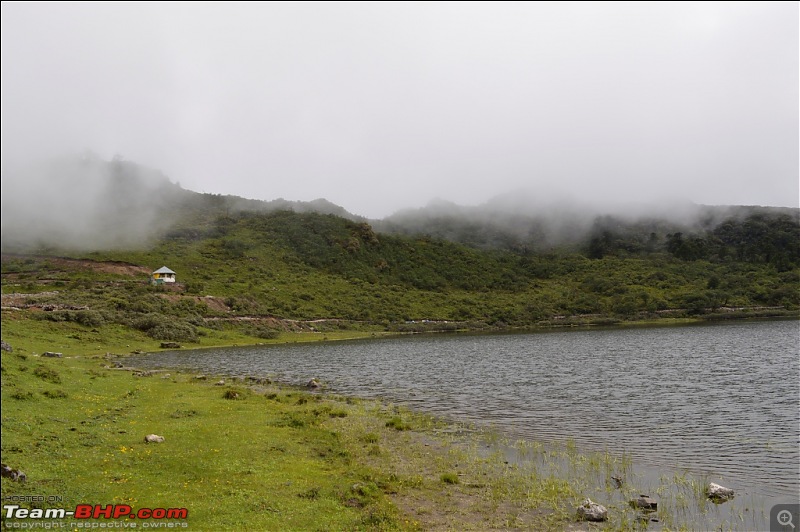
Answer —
397 423
449 478
233 394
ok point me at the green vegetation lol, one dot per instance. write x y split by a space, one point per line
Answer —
254 277
260 456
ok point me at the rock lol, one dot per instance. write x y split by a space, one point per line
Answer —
718 493
617 481
170 345
644 502
591 511
5 346
313 383
50 354
220 383
153 438
14 474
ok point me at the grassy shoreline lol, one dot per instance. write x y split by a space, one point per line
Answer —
266 456
242 455
22 329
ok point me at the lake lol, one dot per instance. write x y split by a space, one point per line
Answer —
717 400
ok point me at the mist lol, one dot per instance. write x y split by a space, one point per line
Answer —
383 107
85 203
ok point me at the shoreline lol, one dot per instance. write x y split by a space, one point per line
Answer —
413 491
313 337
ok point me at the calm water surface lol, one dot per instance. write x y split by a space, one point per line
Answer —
717 400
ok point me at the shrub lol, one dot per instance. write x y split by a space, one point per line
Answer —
89 318
148 321
194 287
174 331
22 396
47 374
58 315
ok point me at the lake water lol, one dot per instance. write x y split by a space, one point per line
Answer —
721 400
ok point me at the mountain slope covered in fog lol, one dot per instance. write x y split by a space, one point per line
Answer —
524 223
247 263
86 203
258 274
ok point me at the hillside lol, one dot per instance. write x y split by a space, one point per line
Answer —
250 270
524 223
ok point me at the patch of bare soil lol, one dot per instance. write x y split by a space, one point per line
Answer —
115 267
215 304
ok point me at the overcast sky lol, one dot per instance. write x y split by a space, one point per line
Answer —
383 106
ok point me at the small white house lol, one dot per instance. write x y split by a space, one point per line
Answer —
162 275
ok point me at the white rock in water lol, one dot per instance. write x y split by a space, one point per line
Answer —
715 491
591 511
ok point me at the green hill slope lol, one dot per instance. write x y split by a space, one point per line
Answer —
259 274
251 270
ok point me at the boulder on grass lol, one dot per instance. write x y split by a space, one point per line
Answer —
153 438
14 474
